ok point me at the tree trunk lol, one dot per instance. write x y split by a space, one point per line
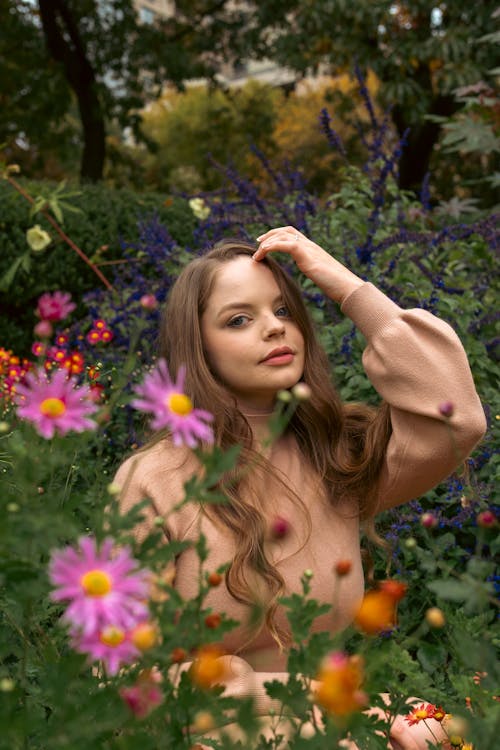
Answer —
421 139
65 45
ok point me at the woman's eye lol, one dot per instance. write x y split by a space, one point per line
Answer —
238 321
282 312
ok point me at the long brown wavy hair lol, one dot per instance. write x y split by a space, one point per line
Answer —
344 444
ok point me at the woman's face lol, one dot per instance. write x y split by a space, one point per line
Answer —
250 341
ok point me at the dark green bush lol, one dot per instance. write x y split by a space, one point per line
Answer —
108 219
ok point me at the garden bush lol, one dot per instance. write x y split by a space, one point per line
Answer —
106 219
442 546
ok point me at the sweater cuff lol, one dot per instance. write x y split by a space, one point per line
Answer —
369 309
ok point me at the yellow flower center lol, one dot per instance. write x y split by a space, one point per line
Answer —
52 407
421 714
96 583
112 636
180 404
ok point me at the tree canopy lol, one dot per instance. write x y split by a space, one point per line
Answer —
96 53
73 69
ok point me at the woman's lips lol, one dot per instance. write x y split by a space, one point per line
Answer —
279 359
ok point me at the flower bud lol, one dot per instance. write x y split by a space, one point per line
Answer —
148 302
486 519
214 579
302 392
435 617
203 721
446 409
43 329
213 620
343 568
428 520
7 685
279 527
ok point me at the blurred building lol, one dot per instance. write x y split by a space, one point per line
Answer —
264 71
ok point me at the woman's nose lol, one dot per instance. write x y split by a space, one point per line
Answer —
273 326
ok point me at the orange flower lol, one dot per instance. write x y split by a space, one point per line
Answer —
340 679
421 713
208 669
377 611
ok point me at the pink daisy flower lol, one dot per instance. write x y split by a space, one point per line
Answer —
171 407
55 405
54 307
103 589
109 645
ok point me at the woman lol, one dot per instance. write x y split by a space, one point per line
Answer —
238 324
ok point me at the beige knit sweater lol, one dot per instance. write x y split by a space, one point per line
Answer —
415 361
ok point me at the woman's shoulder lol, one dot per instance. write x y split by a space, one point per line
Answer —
157 459
158 473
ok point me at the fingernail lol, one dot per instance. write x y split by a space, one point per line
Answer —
259 238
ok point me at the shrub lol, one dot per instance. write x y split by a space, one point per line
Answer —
107 220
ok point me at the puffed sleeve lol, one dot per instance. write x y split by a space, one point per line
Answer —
416 362
156 474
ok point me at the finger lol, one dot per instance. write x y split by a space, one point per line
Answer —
278 231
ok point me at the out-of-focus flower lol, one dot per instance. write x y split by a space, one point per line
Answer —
109 645
172 408
340 681
446 409
145 695
148 302
279 527
54 307
302 392
144 636
208 668
428 520
178 655
37 238
103 589
214 579
377 611
343 568
199 208
213 620
435 617
55 405
394 589
43 329
486 519
203 722
38 348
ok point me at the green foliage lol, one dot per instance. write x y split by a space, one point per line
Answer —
201 123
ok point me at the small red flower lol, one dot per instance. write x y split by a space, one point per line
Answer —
420 713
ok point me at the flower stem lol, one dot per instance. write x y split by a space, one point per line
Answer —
61 233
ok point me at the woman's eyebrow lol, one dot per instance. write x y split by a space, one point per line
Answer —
244 305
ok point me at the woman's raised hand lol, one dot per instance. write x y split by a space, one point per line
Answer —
326 272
